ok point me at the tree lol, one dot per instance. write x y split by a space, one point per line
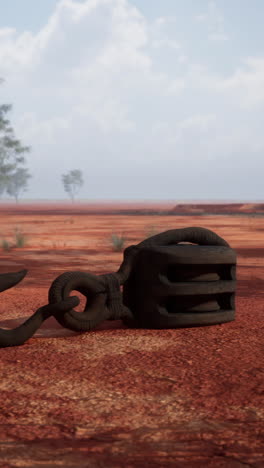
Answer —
11 154
72 182
17 183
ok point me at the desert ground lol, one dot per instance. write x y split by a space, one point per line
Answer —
117 396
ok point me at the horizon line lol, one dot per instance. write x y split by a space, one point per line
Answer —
135 200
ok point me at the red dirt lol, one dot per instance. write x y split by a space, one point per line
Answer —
222 208
140 207
116 396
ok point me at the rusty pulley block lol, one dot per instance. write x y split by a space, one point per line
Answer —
181 285
166 284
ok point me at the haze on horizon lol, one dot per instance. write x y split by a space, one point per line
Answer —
150 100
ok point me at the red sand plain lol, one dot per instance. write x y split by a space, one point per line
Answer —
116 396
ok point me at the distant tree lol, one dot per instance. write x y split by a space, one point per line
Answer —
11 152
72 182
17 183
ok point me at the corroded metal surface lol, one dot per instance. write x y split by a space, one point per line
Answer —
147 289
182 285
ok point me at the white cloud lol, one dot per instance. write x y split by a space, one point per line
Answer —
103 88
166 43
218 36
249 82
214 20
244 87
183 58
162 21
44 131
201 18
82 53
89 56
202 122
16 50
6 33
171 133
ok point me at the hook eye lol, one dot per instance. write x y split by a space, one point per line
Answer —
92 288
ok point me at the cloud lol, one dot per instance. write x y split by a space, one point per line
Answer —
104 88
176 134
214 20
201 18
44 131
248 82
218 36
88 57
244 87
166 43
162 21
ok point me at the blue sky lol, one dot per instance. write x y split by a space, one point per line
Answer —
151 100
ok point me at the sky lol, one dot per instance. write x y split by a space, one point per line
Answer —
151 100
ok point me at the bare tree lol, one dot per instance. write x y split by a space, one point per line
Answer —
72 182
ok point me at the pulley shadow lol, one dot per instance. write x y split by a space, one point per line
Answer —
52 329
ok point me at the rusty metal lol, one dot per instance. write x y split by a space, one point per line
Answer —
166 284
182 286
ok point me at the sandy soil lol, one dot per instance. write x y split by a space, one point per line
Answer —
116 396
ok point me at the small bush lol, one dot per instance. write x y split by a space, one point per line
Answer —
69 220
20 238
6 245
117 242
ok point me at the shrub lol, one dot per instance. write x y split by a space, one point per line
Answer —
20 238
117 242
6 245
